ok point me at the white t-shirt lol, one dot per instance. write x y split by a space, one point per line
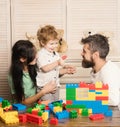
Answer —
109 74
44 58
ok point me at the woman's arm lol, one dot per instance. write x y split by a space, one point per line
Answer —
49 87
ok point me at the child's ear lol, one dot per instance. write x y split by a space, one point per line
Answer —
42 44
22 60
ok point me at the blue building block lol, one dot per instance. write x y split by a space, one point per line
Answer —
1 99
72 85
62 115
51 106
108 113
19 107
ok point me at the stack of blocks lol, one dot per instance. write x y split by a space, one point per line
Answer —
85 99
88 98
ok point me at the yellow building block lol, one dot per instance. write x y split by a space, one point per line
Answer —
36 109
98 85
104 102
1 111
91 96
80 110
45 116
90 111
14 113
104 92
57 109
10 118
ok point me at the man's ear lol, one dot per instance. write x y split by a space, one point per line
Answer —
95 55
22 60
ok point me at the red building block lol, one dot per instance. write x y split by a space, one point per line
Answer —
64 57
101 98
96 116
34 119
35 112
69 102
47 107
22 118
54 121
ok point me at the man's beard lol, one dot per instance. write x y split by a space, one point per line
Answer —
87 63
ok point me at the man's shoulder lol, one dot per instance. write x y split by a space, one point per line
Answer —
112 66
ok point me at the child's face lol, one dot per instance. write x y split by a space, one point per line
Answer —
51 45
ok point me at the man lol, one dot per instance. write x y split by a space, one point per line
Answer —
95 51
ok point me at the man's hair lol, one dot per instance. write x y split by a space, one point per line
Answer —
97 42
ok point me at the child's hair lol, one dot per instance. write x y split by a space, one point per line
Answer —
46 33
22 49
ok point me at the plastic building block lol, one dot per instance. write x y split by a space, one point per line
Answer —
62 115
19 107
6 105
54 121
109 113
96 116
10 117
22 118
64 57
40 113
85 112
34 119
1 111
40 106
57 109
1 99
47 107
29 110
45 116
35 112
90 96
73 114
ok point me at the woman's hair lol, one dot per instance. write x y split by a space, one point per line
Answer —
46 33
26 50
97 42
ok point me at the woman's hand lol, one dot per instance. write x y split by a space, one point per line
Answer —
49 87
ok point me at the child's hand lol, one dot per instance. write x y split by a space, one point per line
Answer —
61 62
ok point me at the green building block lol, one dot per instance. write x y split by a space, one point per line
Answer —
73 114
75 106
29 110
84 112
71 94
5 103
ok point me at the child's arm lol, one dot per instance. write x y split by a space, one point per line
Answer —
53 65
